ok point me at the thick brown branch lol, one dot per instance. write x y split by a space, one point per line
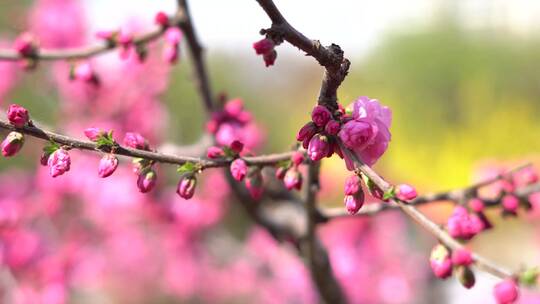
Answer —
481 262
263 160
331 57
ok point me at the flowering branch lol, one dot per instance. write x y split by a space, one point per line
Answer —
263 160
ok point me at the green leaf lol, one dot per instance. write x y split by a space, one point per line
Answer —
228 151
389 194
529 276
188 167
105 140
50 148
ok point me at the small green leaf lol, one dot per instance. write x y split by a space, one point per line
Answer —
105 140
529 277
389 194
228 151
50 148
188 167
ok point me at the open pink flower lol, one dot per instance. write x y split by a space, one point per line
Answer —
367 134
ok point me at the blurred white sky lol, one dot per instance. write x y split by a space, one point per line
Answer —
356 25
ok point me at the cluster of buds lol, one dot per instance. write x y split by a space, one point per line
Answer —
227 124
266 48
104 139
27 47
443 263
354 195
143 168
289 172
463 225
318 135
18 117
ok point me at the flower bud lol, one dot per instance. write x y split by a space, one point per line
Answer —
239 169
373 189
237 146
254 183
12 144
170 53
476 204
44 159
263 46
139 164
462 257
280 172
354 202
147 180
352 185
293 179
214 152
297 158
405 192
318 148
269 58
173 36
465 276
510 204
161 19
186 186
25 45
332 127
320 116
440 262
506 292
462 225
17 115
306 132
136 141
84 72
59 162
93 133
107 165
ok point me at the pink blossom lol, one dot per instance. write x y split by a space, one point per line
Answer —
293 179
367 134
25 44
352 185
506 292
510 203
161 19
170 53
462 257
476 204
318 148
440 262
405 192
93 133
17 115
462 225
84 72
214 152
320 116
107 165
59 162
136 141
173 35
263 46
146 180
186 187
354 202
239 169
12 144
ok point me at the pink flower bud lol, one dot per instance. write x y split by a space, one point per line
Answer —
318 147
107 165
465 276
440 262
170 53
59 162
332 127
237 146
93 133
214 152
25 45
263 46
405 192
12 144
352 185
239 169
254 184
125 38
510 203
139 164
320 116
105 35
462 257
506 292
136 141
161 19
173 36
297 158
186 187
293 179
147 180
17 115
353 203
476 204
306 132
269 58
84 72
280 172
462 225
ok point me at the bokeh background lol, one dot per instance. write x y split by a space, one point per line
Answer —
462 79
